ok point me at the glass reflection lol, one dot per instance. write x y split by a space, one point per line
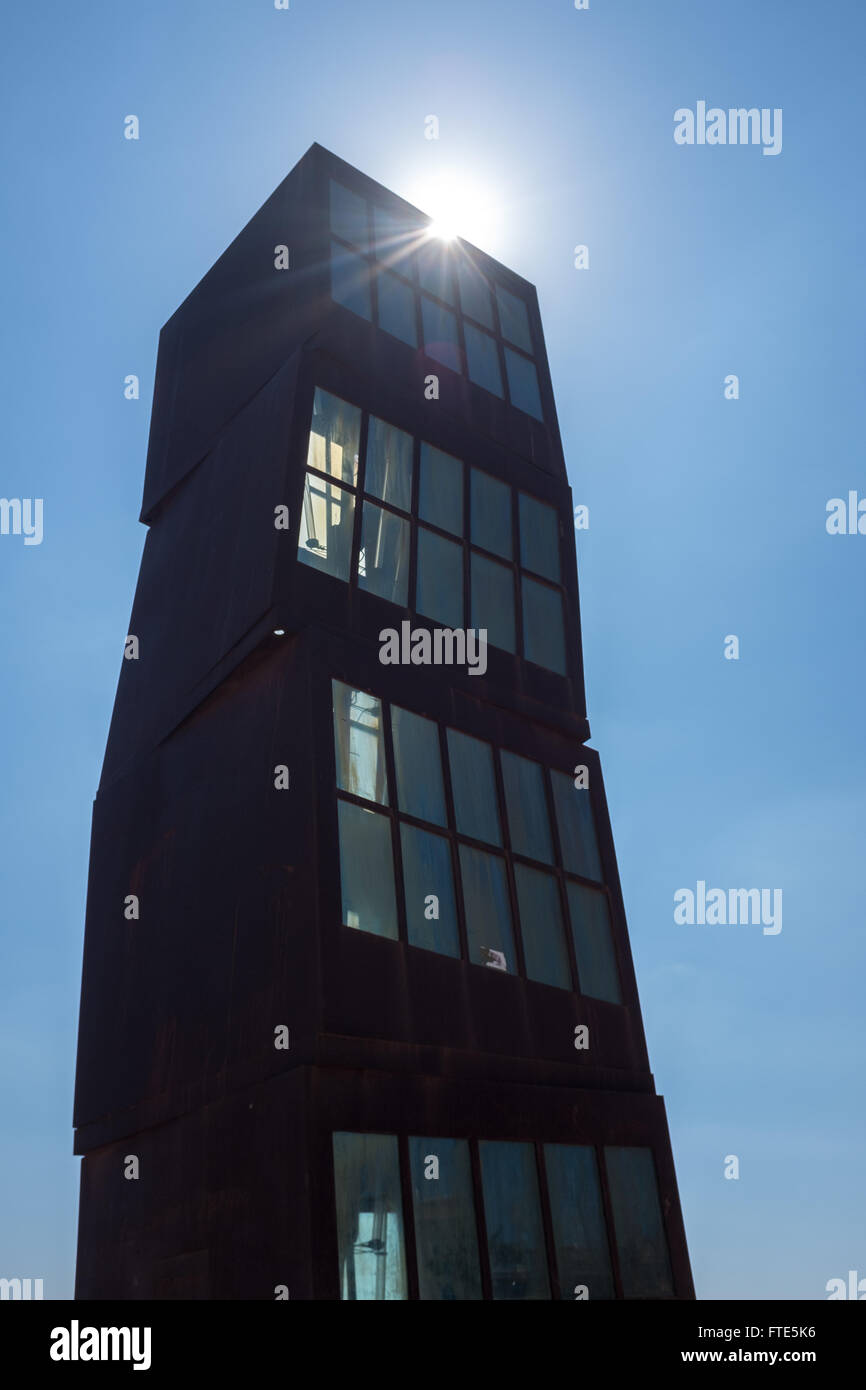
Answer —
577 1214
335 437
445 1230
526 804
512 1209
428 876
420 790
383 560
474 787
369 1217
326 526
644 1262
544 949
488 910
359 743
367 870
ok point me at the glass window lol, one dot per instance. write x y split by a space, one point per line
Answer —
474 786
644 1263
325 531
523 383
389 464
493 601
367 870
593 943
420 790
392 240
383 561
439 586
491 513
428 875
434 271
440 334
577 1214
335 437
350 281
349 216
527 807
445 1231
544 949
369 1217
474 291
359 743
543 630
577 838
482 359
488 910
512 1210
440 494
397 308
513 318
539 537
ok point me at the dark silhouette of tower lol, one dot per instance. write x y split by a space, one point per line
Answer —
358 1014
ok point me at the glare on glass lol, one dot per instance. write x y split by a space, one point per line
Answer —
577 1214
325 530
372 1262
335 437
350 281
397 308
428 882
393 240
440 333
474 786
445 1231
420 790
487 908
434 272
474 291
359 743
544 949
513 318
440 494
383 560
367 870
389 464
512 1211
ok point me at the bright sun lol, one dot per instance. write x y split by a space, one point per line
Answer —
458 206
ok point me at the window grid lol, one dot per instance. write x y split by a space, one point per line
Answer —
409 275
559 1289
504 852
469 546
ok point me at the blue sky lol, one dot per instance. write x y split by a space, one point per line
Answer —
707 516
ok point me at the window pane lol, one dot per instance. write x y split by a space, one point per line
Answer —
491 513
349 216
523 383
527 807
544 949
543 630
577 1213
367 870
325 531
420 791
577 838
397 308
474 291
350 281
488 911
482 359
512 1210
593 943
644 1263
539 537
335 437
493 601
474 786
389 464
383 560
434 271
393 238
427 871
440 334
445 1230
369 1217
440 495
359 743
439 587
513 318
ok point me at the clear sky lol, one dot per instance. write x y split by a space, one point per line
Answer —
707 515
